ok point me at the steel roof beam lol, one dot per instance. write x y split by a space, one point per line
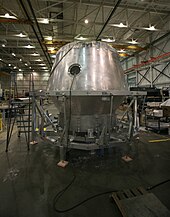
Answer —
19 21
42 38
33 28
148 45
108 19
110 5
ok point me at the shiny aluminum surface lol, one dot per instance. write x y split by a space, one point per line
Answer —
100 68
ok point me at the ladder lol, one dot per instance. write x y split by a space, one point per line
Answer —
20 112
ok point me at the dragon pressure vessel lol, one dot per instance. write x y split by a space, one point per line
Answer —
87 85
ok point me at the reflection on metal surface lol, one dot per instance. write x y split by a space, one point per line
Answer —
100 68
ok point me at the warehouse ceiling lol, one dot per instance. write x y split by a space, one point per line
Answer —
31 31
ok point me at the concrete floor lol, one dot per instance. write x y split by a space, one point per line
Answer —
30 180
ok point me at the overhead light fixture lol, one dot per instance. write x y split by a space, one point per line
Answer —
20 70
151 28
42 64
13 54
86 21
133 42
15 67
43 20
53 56
35 54
121 51
21 35
120 25
51 48
29 46
39 60
109 40
49 38
26 64
9 64
30 67
0 59
3 45
8 16
20 60
80 37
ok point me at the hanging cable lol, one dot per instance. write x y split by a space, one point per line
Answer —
70 112
157 185
62 58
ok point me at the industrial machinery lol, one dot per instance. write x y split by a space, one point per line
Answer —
87 85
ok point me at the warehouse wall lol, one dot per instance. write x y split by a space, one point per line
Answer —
134 78
4 77
4 80
40 81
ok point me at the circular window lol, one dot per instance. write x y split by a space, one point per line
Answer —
74 69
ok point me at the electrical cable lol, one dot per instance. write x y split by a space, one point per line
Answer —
157 185
70 112
62 58
60 194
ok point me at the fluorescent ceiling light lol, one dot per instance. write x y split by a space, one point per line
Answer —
29 46
26 64
20 70
121 51
42 64
86 21
151 28
9 64
80 37
133 42
13 54
35 54
3 45
43 20
108 40
20 60
120 25
53 56
38 60
49 38
21 35
15 67
8 16
51 48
